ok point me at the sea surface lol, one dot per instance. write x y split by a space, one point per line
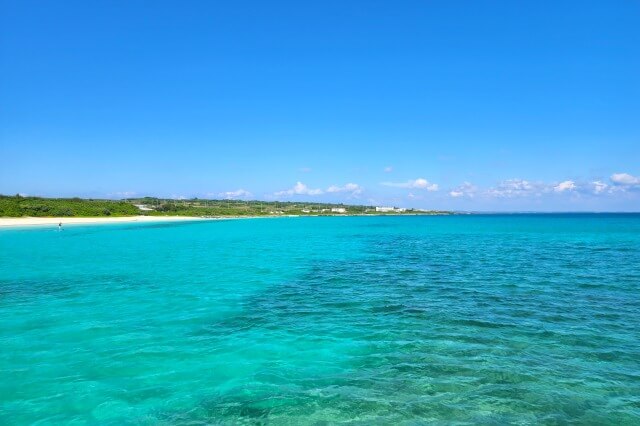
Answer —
490 319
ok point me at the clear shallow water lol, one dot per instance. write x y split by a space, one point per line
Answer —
384 320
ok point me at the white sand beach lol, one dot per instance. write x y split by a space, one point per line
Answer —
34 221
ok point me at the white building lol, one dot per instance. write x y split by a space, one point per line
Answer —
338 210
385 209
143 208
390 210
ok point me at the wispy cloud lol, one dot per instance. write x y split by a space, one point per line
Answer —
305 169
238 193
123 194
388 169
465 190
620 182
567 185
299 189
419 183
352 188
599 187
515 188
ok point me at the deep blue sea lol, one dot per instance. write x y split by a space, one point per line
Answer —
490 319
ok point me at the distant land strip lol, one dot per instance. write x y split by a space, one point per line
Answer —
19 206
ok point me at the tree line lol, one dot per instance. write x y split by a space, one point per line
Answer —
18 206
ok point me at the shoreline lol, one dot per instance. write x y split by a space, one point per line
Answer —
15 222
12 222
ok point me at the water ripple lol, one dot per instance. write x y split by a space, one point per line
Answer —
317 321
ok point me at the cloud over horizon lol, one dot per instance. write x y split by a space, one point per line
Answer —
299 189
514 188
239 193
351 188
620 182
567 185
465 190
625 179
419 183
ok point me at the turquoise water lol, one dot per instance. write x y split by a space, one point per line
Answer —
372 320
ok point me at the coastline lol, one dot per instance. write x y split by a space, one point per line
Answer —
10 222
14 222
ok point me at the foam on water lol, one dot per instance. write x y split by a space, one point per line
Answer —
476 319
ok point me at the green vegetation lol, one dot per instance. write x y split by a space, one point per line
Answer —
197 207
17 206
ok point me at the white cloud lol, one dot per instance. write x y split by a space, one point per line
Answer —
239 193
625 179
466 189
305 169
516 188
388 169
419 183
352 188
300 189
567 185
599 187
123 194
621 182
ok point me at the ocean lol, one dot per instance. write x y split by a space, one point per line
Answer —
467 319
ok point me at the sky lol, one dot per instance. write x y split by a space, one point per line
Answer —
464 105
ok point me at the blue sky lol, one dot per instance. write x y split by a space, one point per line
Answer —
488 105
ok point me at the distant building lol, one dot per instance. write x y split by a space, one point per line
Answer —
385 209
143 208
390 210
338 210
